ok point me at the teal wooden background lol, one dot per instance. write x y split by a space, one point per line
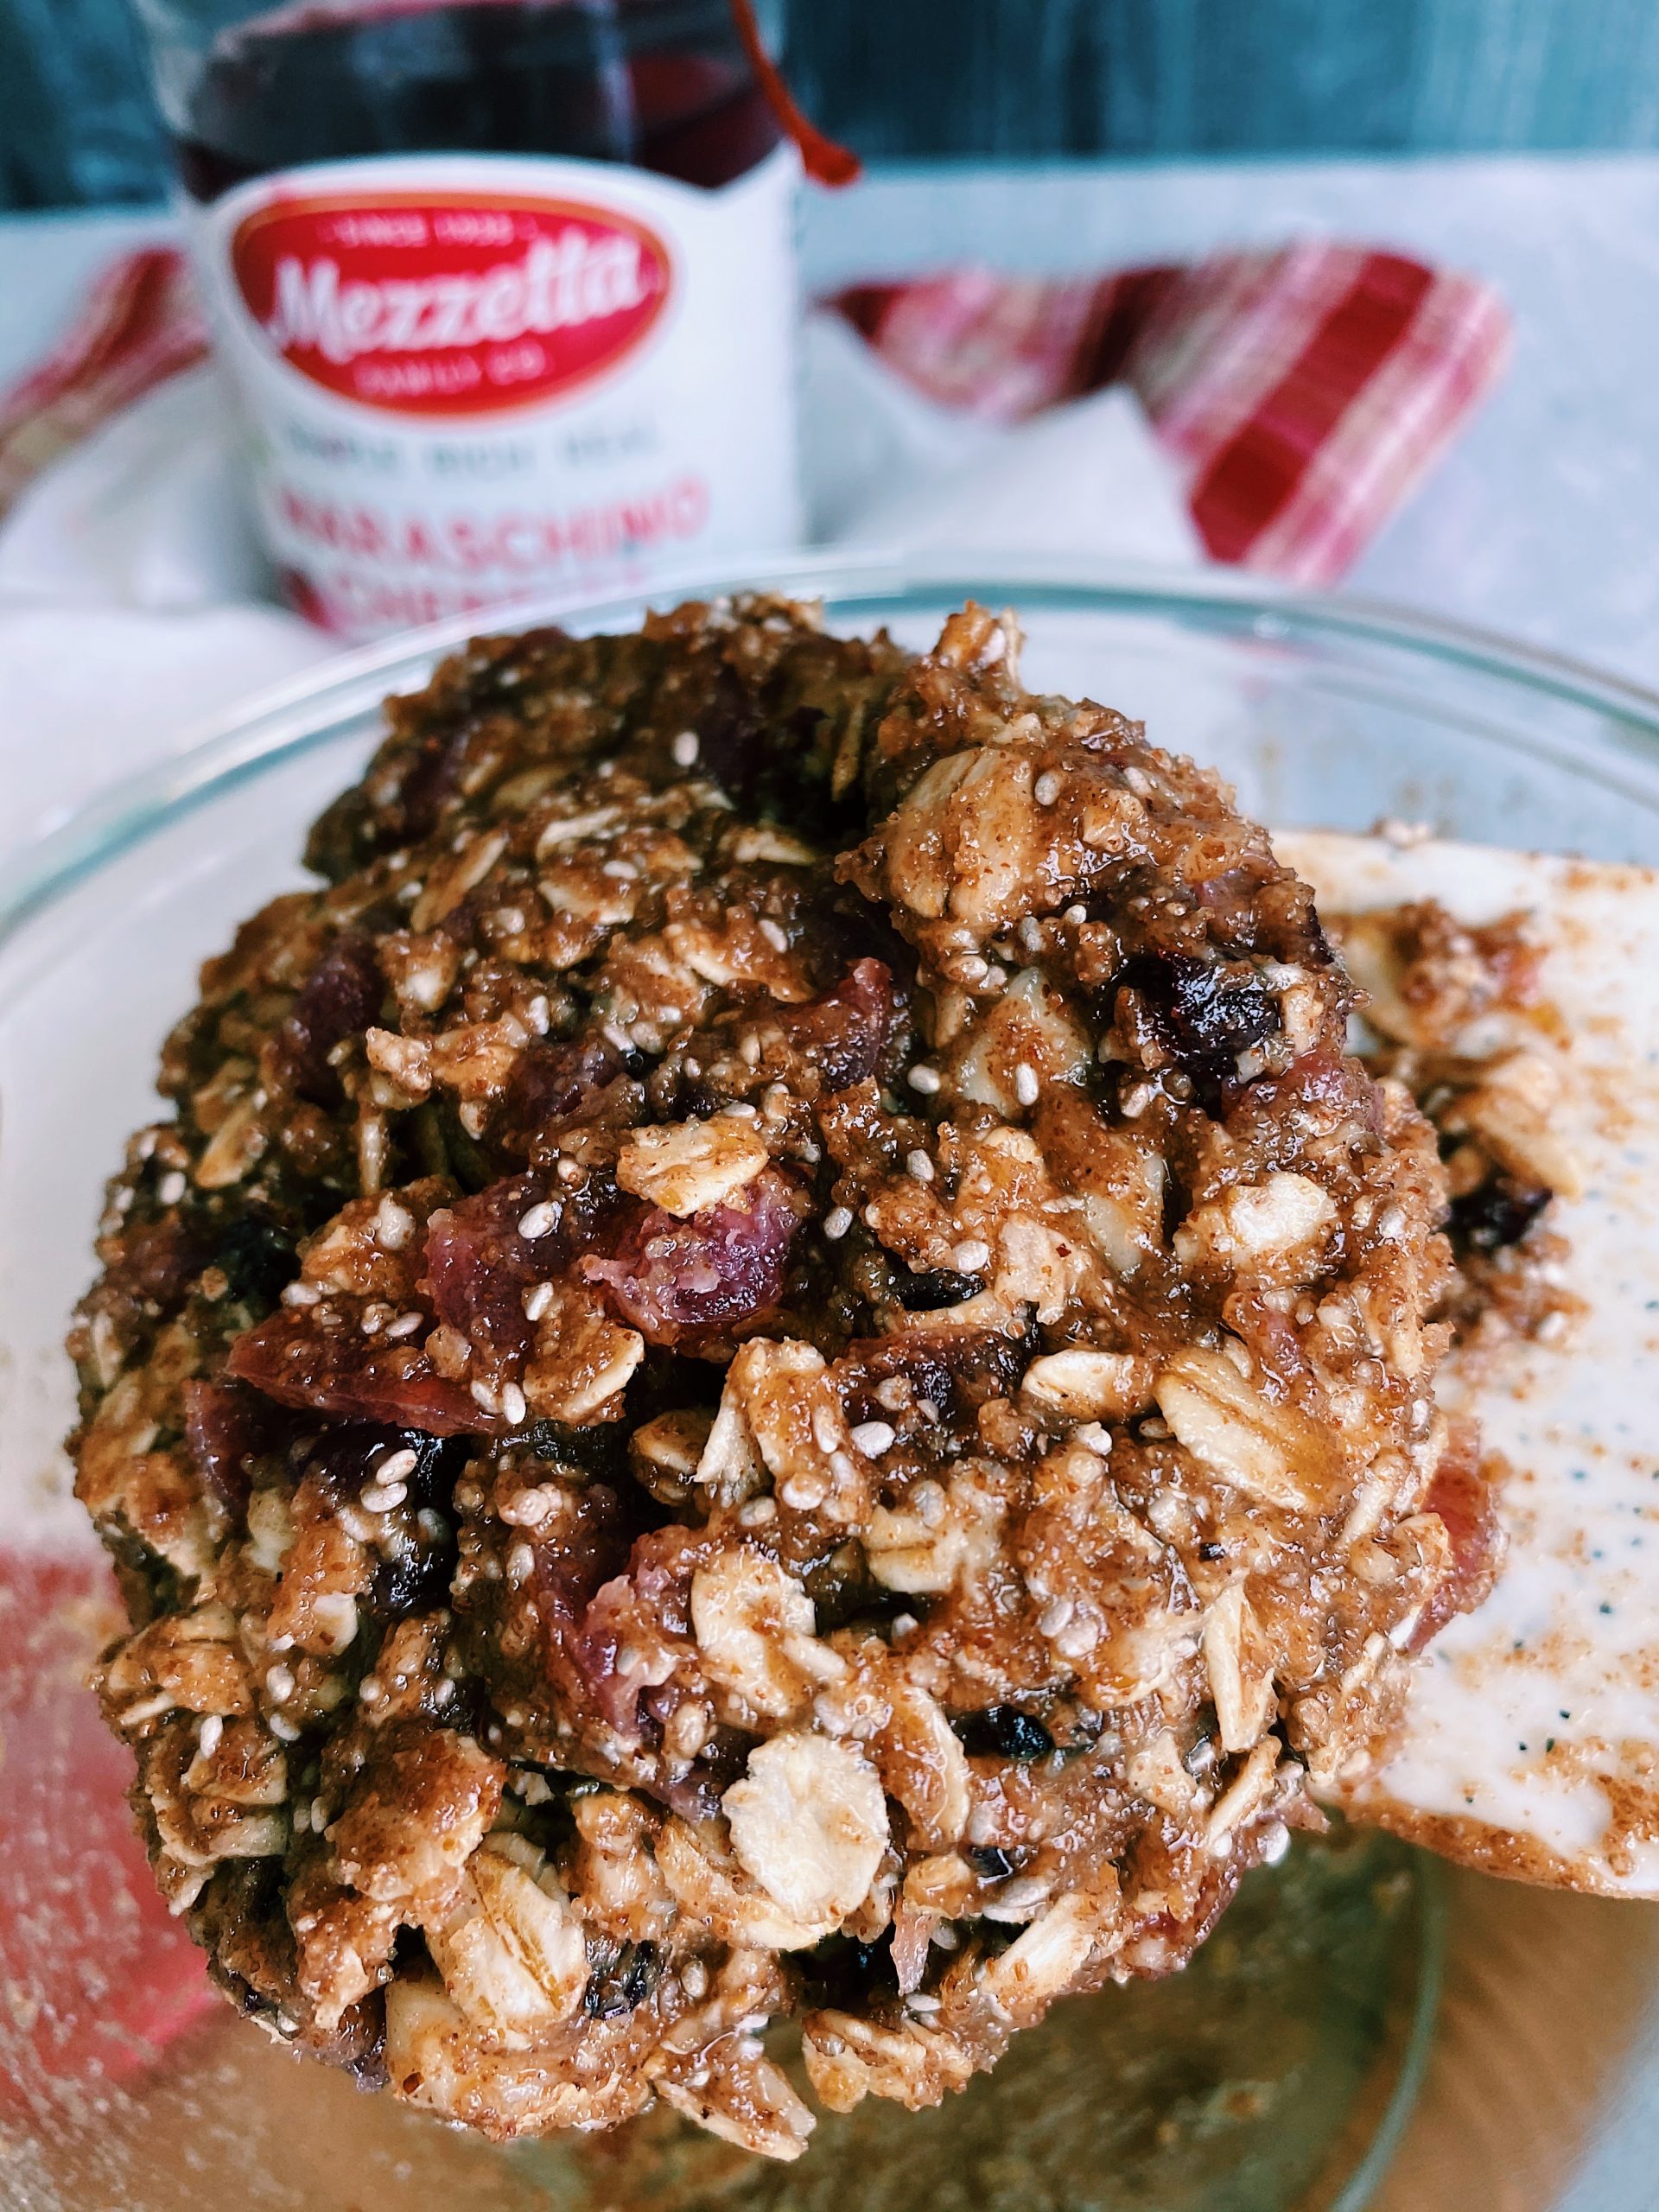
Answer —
1013 78
1167 77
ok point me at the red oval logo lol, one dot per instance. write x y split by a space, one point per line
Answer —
449 303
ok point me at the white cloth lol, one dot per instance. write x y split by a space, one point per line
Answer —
886 467
135 604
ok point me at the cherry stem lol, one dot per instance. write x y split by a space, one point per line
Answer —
825 161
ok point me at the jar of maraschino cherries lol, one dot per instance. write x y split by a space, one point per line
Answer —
505 288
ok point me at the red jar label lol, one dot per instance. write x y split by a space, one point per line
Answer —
469 379
451 303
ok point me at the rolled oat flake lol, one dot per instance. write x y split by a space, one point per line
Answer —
505 289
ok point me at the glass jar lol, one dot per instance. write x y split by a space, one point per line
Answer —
505 289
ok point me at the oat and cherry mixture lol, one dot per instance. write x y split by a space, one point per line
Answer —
1456 1013
774 1364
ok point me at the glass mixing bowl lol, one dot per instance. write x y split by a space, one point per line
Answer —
1282 2069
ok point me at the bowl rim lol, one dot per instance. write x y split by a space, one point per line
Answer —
220 751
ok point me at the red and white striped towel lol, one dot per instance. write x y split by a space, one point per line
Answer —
140 325
1299 393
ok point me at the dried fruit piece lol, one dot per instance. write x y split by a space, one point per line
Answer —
683 1281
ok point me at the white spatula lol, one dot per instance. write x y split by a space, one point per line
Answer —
1530 1744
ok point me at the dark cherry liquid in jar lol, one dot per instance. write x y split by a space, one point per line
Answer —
656 84
505 290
